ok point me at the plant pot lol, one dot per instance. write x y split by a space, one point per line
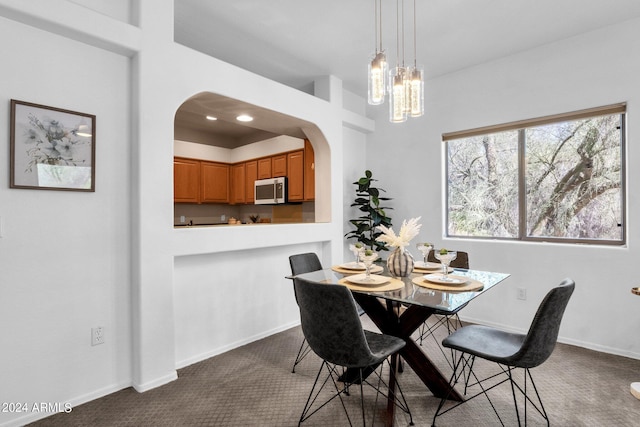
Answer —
400 263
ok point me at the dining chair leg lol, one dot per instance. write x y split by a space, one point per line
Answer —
539 407
364 420
452 383
302 353
314 394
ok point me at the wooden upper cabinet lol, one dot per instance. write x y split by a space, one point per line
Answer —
251 175
238 187
215 182
186 180
309 172
295 176
279 165
264 168
202 181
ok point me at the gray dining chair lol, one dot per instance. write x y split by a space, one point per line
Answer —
510 351
300 264
447 319
332 327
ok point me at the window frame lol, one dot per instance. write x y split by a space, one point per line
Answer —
520 127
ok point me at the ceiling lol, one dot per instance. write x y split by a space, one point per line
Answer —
296 41
191 123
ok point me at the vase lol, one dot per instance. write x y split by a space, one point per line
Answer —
400 263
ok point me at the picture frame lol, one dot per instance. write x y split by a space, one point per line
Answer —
51 148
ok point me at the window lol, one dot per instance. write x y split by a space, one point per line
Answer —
558 178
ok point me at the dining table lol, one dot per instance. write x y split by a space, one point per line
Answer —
399 305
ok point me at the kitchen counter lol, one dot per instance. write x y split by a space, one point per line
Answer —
217 224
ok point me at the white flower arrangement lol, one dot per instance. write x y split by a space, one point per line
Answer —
408 231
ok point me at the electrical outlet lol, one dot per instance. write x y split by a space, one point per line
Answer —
522 294
97 335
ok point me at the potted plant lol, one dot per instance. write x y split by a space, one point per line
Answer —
369 203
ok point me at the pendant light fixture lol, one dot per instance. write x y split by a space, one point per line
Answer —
397 90
378 66
416 85
405 83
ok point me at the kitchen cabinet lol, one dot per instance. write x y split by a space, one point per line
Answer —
264 168
186 180
204 181
309 172
279 165
251 175
214 182
295 176
238 187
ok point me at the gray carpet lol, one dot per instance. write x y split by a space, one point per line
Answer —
253 386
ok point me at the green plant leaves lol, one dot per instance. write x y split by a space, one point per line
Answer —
368 201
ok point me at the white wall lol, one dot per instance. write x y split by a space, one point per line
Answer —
230 298
590 70
70 261
355 149
267 147
64 256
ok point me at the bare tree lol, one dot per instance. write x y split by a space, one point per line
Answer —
572 180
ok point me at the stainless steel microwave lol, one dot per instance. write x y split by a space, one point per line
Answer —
271 191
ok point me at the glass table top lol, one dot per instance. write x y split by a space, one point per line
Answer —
416 294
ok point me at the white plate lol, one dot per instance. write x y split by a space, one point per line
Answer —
361 279
437 278
428 266
353 266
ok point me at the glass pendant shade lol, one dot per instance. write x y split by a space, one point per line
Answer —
406 83
397 113
417 92
377 79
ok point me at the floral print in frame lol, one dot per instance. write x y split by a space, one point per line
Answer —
51 148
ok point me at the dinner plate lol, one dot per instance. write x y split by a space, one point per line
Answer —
353 266
374 279
428 266
437 278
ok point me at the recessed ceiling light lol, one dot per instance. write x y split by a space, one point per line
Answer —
244 118
211 118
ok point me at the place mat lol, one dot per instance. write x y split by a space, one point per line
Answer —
470 285
391 285
374 269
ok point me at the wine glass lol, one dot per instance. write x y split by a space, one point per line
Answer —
445 257
367 257
357 249
424 248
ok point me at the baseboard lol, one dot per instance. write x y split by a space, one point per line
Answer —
77 401
578 343
141 388
214 352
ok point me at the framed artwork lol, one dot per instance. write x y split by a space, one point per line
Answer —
51 148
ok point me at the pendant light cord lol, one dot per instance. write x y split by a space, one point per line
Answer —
375 24
402 33
415 49
379 17
398 32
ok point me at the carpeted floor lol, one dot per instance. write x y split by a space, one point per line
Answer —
253 386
